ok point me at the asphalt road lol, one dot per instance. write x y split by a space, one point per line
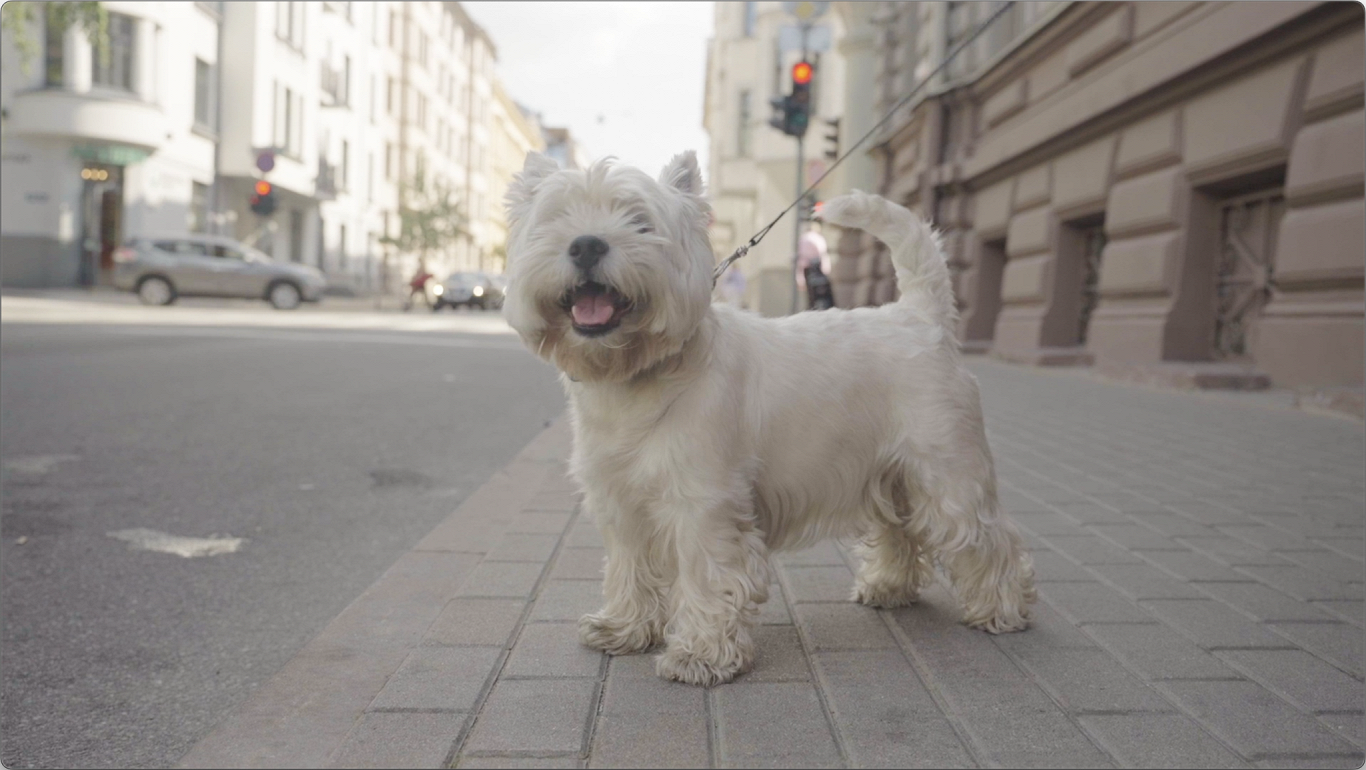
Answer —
330 450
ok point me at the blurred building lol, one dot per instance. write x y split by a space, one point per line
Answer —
93 151
515 132
561 145
1171 191
365 108
753 167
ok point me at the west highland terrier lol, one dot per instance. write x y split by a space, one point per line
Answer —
706 437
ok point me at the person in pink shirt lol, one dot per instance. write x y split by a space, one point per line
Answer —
813 268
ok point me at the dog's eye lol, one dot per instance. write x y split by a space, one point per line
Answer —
641 224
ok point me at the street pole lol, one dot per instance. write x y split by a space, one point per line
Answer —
797 229
797 225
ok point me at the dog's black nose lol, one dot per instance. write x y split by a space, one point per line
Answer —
586 250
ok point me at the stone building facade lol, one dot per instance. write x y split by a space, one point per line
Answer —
1169 191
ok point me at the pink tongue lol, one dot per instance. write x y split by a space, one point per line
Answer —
592 310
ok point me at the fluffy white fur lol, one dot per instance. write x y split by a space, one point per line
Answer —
706 437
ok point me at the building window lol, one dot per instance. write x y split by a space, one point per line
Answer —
198 215
53 49
388 162
422 112
289 24
751 18
203 95
296 235
289 109
345 165
389 97
369 178
122 46
393 29
341 249
742 126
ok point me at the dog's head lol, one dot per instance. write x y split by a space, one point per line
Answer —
609 271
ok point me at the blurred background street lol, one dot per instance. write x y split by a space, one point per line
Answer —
331 445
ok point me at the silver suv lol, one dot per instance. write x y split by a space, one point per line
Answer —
162 268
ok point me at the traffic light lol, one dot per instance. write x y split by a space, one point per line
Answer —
833 137
263 198
792 113
799 103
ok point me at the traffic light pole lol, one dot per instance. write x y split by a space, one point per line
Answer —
797 230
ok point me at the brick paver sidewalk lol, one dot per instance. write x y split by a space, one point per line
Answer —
1200 560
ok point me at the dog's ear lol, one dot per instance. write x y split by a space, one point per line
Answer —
683 174
538 166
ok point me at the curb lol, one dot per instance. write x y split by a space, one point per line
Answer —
303 716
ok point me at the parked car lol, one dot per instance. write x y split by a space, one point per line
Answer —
163 268
470 289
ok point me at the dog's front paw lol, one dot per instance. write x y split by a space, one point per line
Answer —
690 668
615 636
884 595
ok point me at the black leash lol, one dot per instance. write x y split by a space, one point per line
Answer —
759 236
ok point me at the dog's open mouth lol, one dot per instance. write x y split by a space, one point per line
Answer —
595 309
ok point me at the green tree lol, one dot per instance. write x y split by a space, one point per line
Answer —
19 20
429 221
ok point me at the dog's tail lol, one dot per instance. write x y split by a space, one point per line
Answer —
922 275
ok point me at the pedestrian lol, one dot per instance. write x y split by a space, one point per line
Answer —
418 287
813 268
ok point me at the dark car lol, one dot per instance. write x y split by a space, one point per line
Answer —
471 289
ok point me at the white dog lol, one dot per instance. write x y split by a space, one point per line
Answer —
706 437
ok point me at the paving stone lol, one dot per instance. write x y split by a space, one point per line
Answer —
884 714
1136 537
1129 738
1011 720
567 600
1191 565
823 554
584 534
1208 513
1089 680
449 678
387 740
523 547
1089 549
1093 603
774 612
1263 603
535 715
1350 547
512 580
1334 565
553 501
1053 567
538 522
1350 725
552 649
1339 643
579 564
647 721
1306 584
778 656
1301 677
1047 630
1172 524
1047 523
819 584
1245 728
1352 611
516 763
1140 581
1091 512
487 622
772 725
1213 625
1156 651
1231 551
848 626
1269 538
1350 762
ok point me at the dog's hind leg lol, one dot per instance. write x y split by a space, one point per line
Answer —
980 549
895 566
635 576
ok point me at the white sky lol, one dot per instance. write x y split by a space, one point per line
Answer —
626 78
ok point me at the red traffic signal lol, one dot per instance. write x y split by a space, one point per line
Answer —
263 188
801 73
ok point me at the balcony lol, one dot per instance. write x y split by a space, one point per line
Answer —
87 117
